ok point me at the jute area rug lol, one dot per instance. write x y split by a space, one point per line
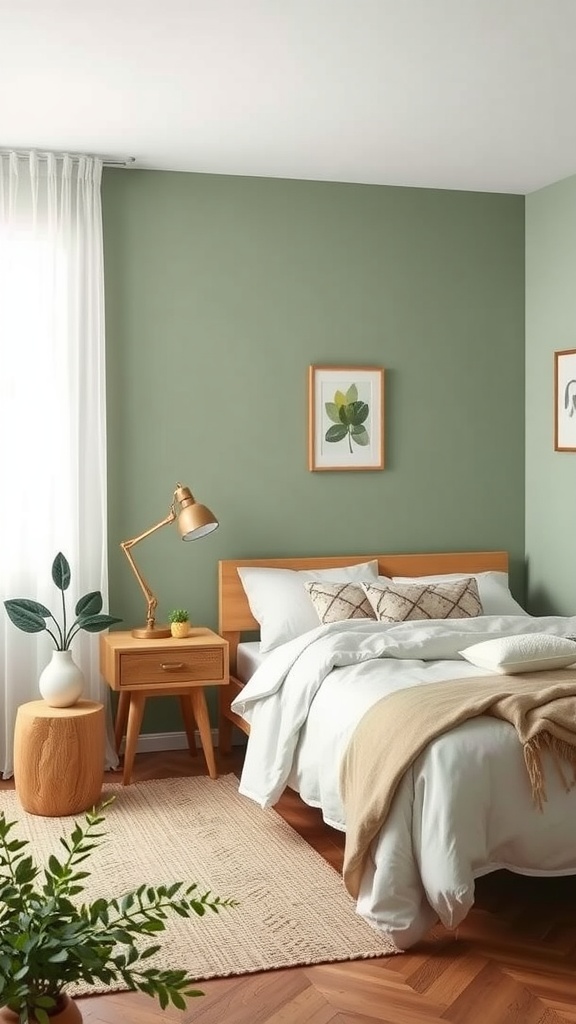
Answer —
293 908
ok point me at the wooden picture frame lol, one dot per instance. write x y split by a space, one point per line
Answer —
565 400
345 418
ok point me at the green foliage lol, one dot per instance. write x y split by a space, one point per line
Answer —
348 415
32 617
178 615
47 941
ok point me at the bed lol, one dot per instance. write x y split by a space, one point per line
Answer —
463 808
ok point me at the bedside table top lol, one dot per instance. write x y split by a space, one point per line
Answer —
199 636
40 709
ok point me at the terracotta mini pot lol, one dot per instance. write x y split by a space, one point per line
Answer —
66 1012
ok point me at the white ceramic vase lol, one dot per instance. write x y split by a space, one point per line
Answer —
61 682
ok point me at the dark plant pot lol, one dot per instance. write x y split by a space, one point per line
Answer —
66 1012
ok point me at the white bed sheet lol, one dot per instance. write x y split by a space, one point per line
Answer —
248 658
462 810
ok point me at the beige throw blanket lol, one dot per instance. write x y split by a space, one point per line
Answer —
540 706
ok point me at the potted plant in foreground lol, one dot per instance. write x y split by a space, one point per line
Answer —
48 942
61 682
179 623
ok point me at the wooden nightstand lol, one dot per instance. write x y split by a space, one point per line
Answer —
138 669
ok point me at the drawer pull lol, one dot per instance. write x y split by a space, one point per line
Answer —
171 666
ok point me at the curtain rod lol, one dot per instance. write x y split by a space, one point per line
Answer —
107 161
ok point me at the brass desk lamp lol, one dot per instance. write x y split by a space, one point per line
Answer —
193 521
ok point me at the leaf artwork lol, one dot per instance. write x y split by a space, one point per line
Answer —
348 415
570 398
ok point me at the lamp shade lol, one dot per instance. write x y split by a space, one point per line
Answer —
193 520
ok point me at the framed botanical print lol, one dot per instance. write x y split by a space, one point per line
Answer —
345 418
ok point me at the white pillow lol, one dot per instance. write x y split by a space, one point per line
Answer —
280 604
493 589
529 652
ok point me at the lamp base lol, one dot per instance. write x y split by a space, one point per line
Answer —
151 634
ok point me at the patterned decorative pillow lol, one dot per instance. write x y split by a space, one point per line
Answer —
335 602
399 602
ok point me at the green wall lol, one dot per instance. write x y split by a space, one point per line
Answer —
550 326
221 291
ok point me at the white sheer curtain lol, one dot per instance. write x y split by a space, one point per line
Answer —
52 411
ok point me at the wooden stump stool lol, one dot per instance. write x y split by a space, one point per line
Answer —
59 757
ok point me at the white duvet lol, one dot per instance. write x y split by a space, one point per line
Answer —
462 810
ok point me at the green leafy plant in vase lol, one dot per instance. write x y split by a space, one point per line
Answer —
49 942
179 623
61 682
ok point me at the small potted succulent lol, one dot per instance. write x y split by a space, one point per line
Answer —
61 682
179 623
49 941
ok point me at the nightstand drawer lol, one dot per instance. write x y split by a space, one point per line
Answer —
171 667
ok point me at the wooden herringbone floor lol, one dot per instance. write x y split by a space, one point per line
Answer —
513 960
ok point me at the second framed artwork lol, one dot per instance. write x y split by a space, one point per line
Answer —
565 401
345 417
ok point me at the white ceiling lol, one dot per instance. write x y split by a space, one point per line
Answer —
455 94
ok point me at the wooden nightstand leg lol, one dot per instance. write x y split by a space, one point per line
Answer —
198 701
135 715
189 722
121 718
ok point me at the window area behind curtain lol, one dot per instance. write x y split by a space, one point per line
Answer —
52 411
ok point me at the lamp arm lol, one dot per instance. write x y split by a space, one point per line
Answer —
151 599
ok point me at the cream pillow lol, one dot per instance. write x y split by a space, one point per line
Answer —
335 602
400 602
493 589
280 604
527 652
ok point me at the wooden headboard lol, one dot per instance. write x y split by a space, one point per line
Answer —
236 618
